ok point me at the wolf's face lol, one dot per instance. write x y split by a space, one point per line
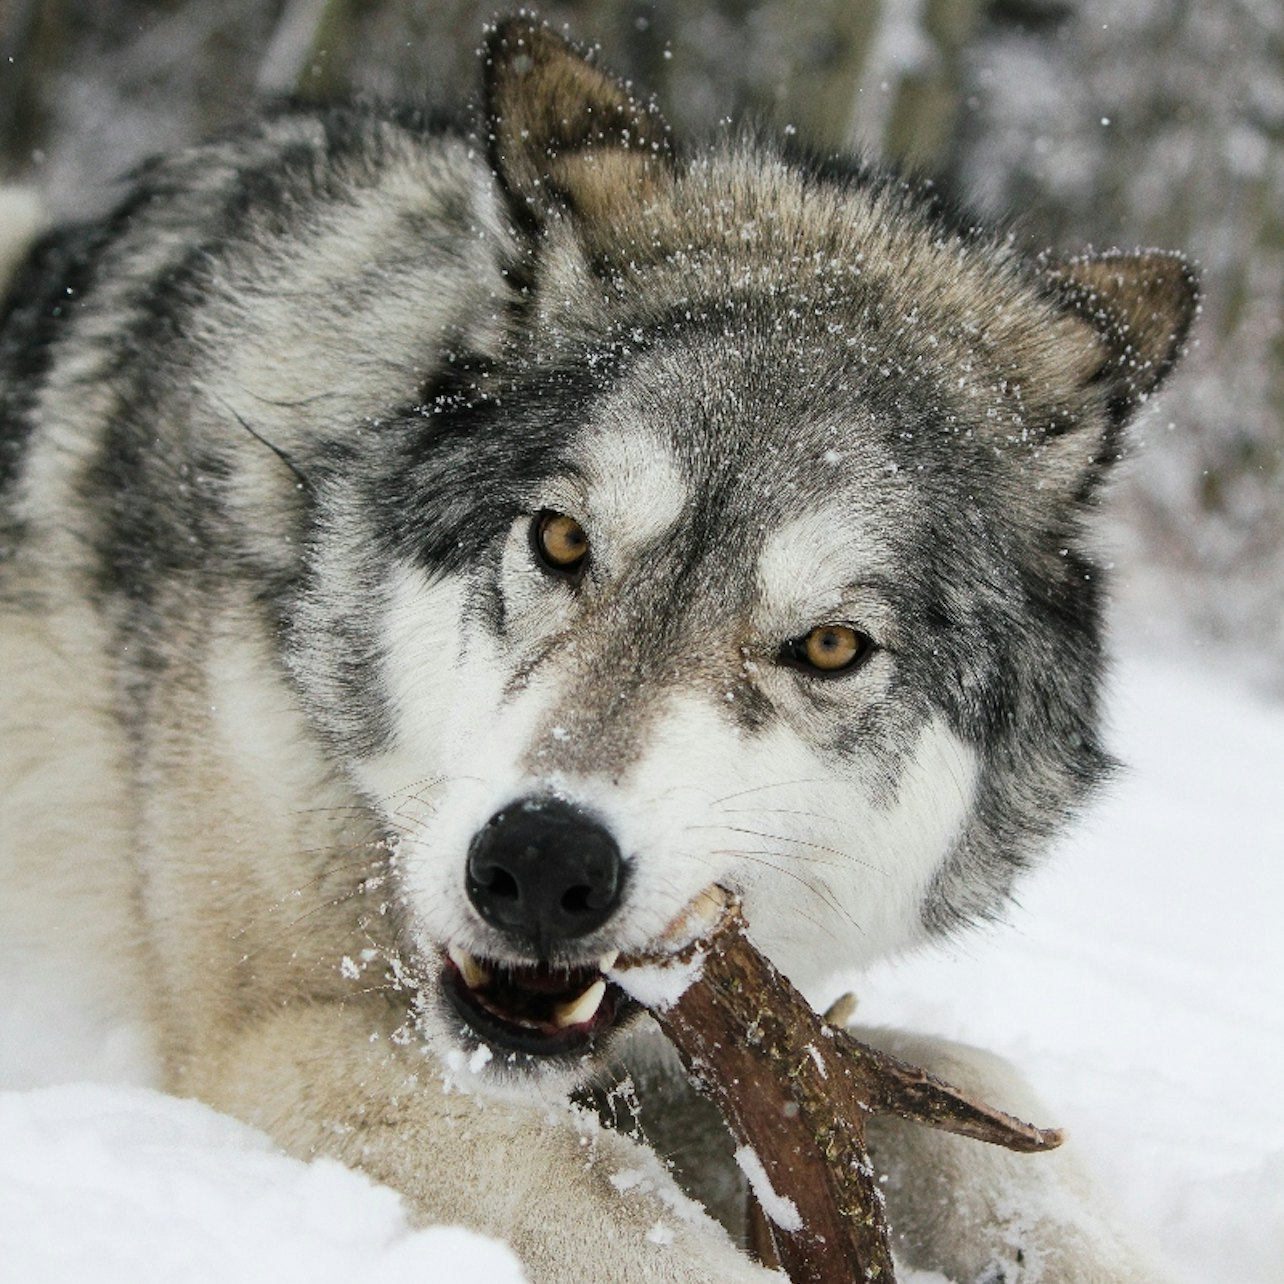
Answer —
748 553
677 654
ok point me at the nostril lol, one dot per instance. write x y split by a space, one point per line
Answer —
575 900
498 882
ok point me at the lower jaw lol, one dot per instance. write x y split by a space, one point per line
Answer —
537 1040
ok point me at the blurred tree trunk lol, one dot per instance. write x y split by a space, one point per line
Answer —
929 96
31 48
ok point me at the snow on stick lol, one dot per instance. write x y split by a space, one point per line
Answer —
796 1093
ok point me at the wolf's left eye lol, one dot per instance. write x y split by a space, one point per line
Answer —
827 649
560 542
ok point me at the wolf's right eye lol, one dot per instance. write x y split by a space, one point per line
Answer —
561 543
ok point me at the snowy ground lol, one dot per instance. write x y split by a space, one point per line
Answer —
1141 985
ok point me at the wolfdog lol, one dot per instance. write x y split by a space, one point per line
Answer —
431 557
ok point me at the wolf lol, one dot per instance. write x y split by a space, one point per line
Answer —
431 556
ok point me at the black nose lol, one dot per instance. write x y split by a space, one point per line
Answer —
544 871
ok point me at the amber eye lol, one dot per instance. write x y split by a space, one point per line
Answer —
560 541
828 648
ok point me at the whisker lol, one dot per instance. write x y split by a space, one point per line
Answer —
374 864
303 918
802 842
757 789
351 810
784 811
816 889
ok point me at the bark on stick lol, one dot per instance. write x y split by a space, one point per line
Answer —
795 1093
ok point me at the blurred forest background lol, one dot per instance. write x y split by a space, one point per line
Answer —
1079 122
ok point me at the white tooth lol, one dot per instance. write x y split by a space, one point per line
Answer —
608 961
581 1009
475 976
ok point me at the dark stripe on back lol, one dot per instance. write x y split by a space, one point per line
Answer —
47 291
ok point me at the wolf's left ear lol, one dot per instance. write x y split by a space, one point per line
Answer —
1140 308
561 133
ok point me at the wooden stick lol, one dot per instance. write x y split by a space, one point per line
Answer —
796 1092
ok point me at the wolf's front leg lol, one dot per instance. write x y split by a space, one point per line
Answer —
576 1202
984 1215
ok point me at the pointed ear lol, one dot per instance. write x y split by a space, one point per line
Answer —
1140 307
563 134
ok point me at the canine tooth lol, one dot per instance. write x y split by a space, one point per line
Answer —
581 1009
475 976
608 961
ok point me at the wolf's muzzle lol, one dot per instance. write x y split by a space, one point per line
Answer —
544 871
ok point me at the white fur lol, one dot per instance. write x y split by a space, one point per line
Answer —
449 769
704 802
636 489
817 570
67 912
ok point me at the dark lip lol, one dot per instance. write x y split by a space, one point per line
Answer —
510 1013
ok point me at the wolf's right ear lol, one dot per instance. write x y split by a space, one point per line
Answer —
1139 308
561 133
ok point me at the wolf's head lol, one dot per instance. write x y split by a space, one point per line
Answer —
744 545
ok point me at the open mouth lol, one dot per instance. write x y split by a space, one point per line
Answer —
539 1009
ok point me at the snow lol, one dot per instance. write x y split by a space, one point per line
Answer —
778 1209
122 1184
658 986
1140 986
